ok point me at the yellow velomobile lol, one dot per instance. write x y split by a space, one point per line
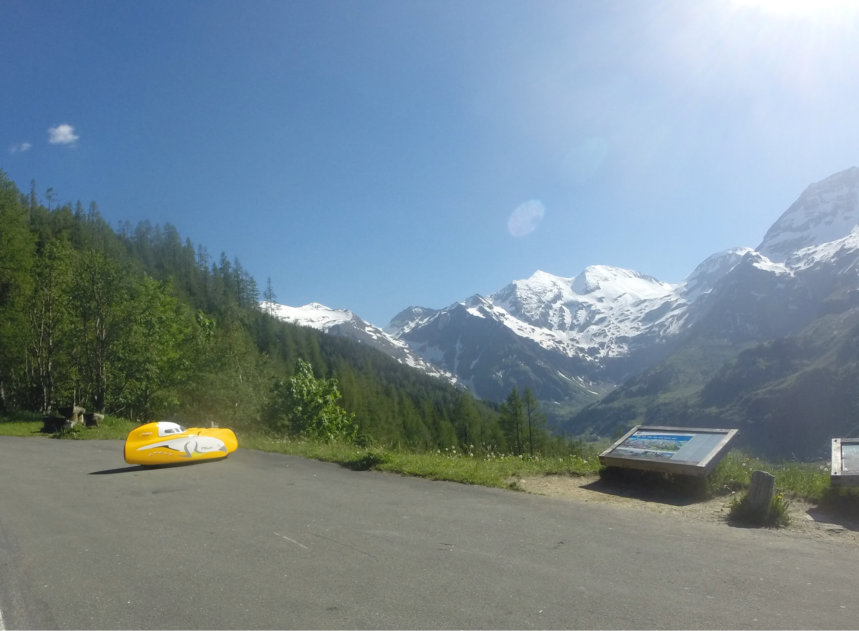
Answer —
165 442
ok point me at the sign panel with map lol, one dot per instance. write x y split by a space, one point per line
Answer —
688 451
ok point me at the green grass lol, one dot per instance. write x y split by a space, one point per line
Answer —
21 428
27 424
111 428
805 481
486 469
801 480
742 513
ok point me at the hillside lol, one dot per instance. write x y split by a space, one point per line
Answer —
788 396
611 347
773 348
142 324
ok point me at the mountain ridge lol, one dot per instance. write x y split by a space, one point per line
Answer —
344 323
573 339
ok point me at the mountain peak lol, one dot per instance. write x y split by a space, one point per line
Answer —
714 267
313 314
344 323
825 211
613 282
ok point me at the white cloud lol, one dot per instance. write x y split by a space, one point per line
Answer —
21 147
62 135
525 219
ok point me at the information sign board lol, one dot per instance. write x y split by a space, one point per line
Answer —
845 462
683 450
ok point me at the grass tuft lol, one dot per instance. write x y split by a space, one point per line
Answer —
742 513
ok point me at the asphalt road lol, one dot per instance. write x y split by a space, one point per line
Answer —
269 541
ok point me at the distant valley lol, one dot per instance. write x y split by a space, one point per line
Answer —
765 339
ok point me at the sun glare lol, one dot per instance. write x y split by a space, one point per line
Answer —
802 8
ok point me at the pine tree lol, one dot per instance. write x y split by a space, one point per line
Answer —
535 417
17 253
50 329
269 297
512 416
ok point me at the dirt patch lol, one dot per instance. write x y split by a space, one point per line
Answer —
806 519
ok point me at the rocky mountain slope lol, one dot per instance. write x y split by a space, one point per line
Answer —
345 323
574 339
773 346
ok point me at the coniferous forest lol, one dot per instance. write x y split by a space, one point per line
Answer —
138 323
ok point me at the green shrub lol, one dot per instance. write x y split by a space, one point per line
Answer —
308 407
742 513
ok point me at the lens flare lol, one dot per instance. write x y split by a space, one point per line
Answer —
525 219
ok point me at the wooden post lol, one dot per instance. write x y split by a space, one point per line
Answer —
761 492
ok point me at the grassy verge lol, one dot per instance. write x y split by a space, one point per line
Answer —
490 469
805 481
31 425
801 480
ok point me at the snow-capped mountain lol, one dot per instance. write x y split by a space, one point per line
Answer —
572 339
596 315
566 338
772 345
345 323
825 212
558 334
593 314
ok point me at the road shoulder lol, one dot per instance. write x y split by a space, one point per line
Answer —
806 520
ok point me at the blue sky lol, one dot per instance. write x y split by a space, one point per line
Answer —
377 154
